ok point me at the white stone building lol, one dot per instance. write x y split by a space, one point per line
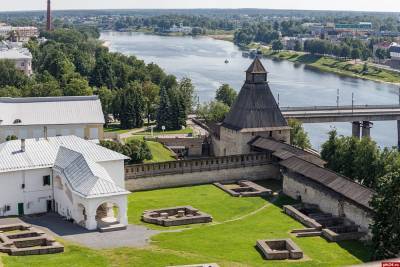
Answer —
22 34
21 56
78 179
36 117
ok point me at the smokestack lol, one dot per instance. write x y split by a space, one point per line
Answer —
23 145
48 25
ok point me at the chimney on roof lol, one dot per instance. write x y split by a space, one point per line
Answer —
45 132
23 145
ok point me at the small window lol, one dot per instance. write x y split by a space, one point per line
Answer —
7 208
46 180
23 186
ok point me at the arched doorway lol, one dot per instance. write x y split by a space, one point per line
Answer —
107 214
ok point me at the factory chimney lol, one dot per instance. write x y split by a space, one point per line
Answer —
48 25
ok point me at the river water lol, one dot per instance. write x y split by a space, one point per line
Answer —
203 60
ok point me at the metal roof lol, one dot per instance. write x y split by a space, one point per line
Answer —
284 151
342 185
15 54
41 153
85 177
51 110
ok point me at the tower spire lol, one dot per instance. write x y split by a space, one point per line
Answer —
48 24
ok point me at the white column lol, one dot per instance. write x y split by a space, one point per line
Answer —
91 223
123 211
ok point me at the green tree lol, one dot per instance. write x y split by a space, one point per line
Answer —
151 94
277 45
213 112
298 136
345 51
106 98
10 91
298 46
380 54
386 217
164 110
132 106
226 95
10 76
136 150
77 87
360 160
185 90
355 54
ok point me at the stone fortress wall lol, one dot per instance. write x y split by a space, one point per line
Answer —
200 171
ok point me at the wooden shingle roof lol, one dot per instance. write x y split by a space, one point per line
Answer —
340 184
256 67
284 151
255 108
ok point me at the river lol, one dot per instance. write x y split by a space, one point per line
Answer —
203 60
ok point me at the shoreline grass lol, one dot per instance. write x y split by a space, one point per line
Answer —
336 66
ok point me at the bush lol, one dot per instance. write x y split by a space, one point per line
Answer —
136 150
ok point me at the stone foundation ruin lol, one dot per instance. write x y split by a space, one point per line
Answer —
331 227
279 249
22 240
244 188
176 216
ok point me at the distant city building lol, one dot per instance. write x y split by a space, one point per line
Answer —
395 51
19 34
354 27
181 29
38 117
21 56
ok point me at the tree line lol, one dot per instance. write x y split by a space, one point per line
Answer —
379 169
74 62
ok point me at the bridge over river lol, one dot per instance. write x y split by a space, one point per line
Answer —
361 116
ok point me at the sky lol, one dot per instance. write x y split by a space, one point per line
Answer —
361 5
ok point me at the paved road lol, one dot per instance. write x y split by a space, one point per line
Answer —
134 236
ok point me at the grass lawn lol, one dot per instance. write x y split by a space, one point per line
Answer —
116 129
159 152
160 132
230 240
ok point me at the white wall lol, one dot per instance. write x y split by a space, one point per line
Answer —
116 170
34 195
326 202
37 131
252 173
234 142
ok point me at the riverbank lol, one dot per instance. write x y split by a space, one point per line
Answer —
337 66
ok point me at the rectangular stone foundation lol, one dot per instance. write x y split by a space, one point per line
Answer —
176 216
279 249
244 188
23 240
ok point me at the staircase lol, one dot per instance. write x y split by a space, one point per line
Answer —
110 225
112 228
307 232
